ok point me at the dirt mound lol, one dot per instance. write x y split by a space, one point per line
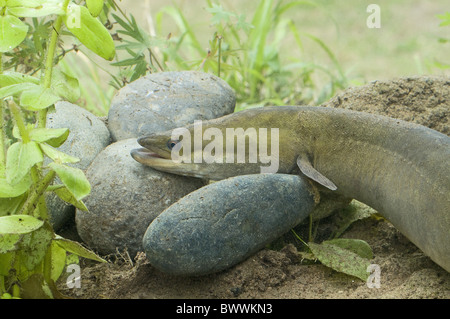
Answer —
423 99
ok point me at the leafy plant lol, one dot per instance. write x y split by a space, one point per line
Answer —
445 19
349 256
254 60
445 22
246 53
32 256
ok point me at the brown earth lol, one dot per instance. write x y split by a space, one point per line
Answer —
405 271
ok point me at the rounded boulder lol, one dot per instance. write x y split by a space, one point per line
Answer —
125 197
223 223
166 100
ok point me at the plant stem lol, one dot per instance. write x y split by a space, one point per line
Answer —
18 117
310 228
48 265
35 172
42 115
35 198
298 237
16 291
2 285
2 132
2 141
219 56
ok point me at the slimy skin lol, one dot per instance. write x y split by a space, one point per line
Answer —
399 168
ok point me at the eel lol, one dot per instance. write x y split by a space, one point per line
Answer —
400 169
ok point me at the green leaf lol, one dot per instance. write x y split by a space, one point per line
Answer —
441 65
341 260
20 158
358 246
72 259
446 19
139 70
89 31
65 86
128 62
10 206
19 224
12 32
77 249
34 286
73 178
219 14
15 89
40 10
52 136
37 98
6 261
10 78
16 131
28 236
242 24
33 246
42 135
352 213
58 156
63 193
8 242
58 260
24 3
95 7
8 191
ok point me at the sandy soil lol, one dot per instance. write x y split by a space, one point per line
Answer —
405 273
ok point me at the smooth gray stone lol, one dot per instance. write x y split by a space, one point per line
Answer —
223 223
88 137
166 100
125 197
88 134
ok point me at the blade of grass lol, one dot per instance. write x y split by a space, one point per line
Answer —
329 53
96 96
184 26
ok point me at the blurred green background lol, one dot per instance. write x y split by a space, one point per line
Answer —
406 44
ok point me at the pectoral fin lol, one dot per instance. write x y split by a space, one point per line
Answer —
309 171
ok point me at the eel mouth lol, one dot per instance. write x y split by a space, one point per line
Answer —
149 158
152 154
161 163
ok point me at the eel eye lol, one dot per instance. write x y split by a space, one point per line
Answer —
171 144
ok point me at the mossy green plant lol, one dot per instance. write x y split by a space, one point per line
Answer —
32 256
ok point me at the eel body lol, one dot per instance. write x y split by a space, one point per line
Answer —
399 168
